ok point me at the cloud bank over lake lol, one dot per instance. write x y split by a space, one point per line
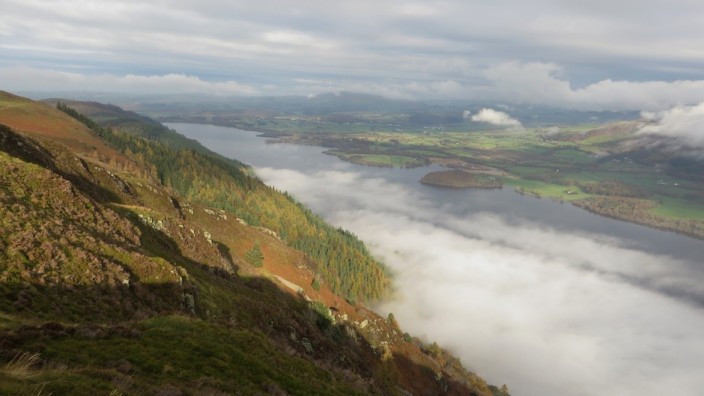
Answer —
548 312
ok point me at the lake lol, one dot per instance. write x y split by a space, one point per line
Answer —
543 296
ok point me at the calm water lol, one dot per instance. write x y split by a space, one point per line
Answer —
253 150
543 296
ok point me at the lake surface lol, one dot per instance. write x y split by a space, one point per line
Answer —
248 147
543 296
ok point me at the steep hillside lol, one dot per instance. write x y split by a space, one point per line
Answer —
210 179
112 283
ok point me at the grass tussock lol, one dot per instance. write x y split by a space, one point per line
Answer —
23 365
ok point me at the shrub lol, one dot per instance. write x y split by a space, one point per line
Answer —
255 257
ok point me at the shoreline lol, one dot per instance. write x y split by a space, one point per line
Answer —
458 164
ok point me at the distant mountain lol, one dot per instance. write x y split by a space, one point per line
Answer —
343 108
114 281
322 105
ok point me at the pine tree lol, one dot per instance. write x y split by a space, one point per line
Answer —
255 256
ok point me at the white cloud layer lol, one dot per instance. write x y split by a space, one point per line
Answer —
548 312
495 117
543 84
685 123
527 84
30 79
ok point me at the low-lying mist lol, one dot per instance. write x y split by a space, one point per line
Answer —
547 312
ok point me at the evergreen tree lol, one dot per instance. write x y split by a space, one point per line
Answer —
255 256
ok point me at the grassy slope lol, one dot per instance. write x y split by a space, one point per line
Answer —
64 260
172 354
74 230
43 120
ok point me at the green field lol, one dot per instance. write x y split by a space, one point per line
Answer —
381 160
677 208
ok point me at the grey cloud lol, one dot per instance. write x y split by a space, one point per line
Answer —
42 80
449 49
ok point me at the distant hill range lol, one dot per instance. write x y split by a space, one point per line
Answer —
340 108
135 261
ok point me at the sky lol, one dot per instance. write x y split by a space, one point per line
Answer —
645 55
